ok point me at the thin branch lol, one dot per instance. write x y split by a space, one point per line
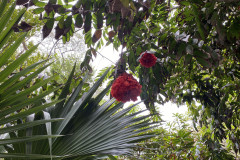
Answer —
106 57
169 3
52 48
170 9
24 45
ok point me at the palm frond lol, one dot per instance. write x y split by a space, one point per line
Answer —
93 129
16 106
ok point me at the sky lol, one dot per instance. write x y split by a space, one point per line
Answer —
167 110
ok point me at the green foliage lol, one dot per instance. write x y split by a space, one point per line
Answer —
198 61
88 130
196 42
16 88
61 67
177 140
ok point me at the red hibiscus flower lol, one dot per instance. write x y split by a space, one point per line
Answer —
147 59
126 88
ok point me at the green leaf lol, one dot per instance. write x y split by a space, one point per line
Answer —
80 103
99 20
7 71
11 50
87 22
53 1
66 110
188 59
64 93
112 157
38 10
26 102
26 156
88 38
198 53
197 19
61 23
3 6
27 139
50 23
203 62
4 19
27 125
7 32
16 97
39 3
26 113
132 61
5 38
16 77
17 86
47 28
68 22
60 2
78 21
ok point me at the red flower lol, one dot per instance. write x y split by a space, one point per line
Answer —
147 59
126 88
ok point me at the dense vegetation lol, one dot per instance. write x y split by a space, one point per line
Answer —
197 46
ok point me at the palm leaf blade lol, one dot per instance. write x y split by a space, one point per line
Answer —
27 125
7 71
10 51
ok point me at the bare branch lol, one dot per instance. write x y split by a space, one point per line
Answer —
106 57
24 46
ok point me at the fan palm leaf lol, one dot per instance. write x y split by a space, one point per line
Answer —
91 130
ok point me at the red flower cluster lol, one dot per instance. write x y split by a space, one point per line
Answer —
126 88
147 59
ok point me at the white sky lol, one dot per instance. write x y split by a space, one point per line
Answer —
166 110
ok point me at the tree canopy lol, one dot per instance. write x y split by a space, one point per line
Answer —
196 42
